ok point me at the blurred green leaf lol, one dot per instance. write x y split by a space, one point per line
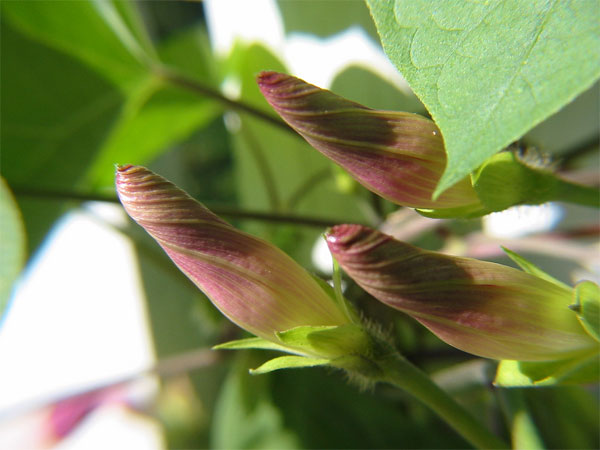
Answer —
581 370
567 416
64 126
325 411
367 88
55 114
153 117
488 72
133 20
80 29
12 244
325 18
245 417
524 433
189 52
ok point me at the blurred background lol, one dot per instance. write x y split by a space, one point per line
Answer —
103 342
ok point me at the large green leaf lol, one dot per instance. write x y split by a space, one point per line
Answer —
85 30
65 126
489 71
12 244
55 114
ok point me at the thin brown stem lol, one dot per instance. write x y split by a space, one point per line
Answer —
177 79
226 211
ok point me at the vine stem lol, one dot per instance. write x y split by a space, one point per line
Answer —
399 372
578 194
220 210
177 79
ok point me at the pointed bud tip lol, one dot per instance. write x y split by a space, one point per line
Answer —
268 78
125 170
341 236
124 167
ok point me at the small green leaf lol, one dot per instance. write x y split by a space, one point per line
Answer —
490 71
12 244
532 269
581 370
587 307
254 342
289 362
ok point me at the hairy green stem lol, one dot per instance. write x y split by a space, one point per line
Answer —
399 372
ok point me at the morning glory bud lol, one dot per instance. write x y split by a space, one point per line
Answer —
398 155
250 281
480 307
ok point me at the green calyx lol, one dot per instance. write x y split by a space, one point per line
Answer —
504 181
345 347
586 305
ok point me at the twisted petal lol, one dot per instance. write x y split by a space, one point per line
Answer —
253 283
397 155
480 307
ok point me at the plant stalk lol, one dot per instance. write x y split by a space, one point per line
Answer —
399 372
578 194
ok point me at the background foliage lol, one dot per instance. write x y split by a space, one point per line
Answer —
86 85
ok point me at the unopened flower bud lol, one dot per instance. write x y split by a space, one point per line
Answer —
252 282
398 155
480 307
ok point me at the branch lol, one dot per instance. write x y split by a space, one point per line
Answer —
226 211
190 84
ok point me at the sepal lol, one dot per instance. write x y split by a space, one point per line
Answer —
330 342
250 343
504 181
289 362
530 268
587 307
